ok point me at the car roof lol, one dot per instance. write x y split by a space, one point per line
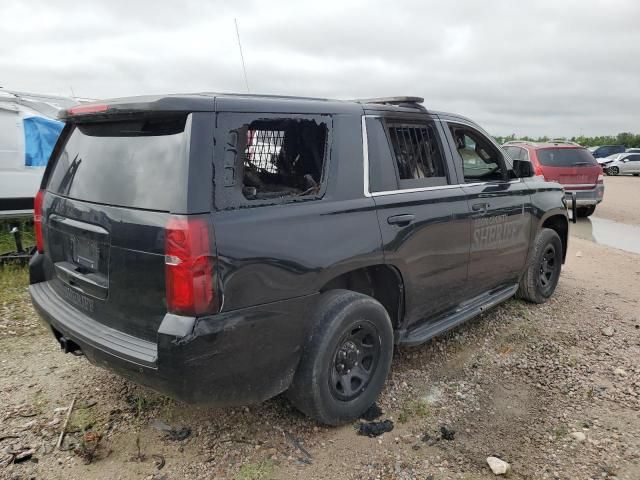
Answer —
541 145
244 102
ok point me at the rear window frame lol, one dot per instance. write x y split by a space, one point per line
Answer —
196 196
228 195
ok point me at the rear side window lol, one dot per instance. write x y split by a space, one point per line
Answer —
271 160
283 157
418 155
134 163
565 157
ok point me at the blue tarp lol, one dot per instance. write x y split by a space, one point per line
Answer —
40 136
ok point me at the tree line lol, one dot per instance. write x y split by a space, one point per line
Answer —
627 139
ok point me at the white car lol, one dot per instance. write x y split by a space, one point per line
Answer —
623 164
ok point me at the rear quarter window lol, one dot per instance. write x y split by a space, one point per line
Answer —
566 157
134 163
271 159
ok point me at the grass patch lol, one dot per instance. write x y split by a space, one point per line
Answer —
14 280
560 432
255 471
414 409
7 242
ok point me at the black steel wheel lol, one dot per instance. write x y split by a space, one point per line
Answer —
549 267
541 277
346 359
354 362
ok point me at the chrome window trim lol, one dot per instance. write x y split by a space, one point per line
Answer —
365 164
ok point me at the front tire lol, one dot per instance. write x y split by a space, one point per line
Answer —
346 360
613 171
543 269
584 212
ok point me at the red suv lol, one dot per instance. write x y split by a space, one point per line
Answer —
569 164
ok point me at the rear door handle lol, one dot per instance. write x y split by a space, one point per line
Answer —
479 206
404 219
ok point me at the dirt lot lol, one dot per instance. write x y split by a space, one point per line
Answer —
552 389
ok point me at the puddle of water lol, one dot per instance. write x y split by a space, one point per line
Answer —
607 232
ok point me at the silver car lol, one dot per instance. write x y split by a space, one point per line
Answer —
623 164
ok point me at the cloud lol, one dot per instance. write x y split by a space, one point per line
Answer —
532 68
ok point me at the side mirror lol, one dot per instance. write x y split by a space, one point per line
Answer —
523 168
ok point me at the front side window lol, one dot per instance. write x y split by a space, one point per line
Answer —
516 153
481 160
418 154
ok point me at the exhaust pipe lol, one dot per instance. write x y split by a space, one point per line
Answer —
69 346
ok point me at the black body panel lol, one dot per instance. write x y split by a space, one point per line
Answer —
100 282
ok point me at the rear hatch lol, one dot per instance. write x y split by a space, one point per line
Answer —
112 188
572 167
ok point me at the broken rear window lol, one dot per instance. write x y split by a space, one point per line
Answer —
282 157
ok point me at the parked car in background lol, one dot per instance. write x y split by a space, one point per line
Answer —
567 163
623 164
606 150
604 161
633 150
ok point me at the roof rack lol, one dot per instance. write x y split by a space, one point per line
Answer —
566 142
400 101
526 142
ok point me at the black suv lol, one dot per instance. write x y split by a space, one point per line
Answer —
223 249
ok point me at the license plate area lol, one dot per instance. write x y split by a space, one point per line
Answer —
85 253
80 253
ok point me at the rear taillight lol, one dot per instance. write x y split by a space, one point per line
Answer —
37 220
190 266
601 179
537 169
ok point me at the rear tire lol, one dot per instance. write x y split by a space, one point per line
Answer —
543 269
584 212
346 360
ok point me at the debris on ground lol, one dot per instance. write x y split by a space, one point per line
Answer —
296 443
22 455
375 429
498 466
608 331
372 413
158 460
171 433
66 422
88 447
447 433
579 436
179 434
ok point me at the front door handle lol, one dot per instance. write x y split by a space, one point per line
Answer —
476 207
404 219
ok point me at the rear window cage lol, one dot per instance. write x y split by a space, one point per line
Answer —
273 160
418 155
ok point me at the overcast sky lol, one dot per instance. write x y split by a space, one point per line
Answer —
555 67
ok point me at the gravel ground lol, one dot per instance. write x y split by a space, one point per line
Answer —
552 389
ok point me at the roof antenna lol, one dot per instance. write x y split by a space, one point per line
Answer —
244 68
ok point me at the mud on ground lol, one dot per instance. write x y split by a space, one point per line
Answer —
553 389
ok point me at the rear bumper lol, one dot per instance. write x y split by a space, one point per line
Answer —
589 197
235 358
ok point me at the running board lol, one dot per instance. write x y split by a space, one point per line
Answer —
426 331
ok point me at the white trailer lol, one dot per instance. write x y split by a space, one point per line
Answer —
28 131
